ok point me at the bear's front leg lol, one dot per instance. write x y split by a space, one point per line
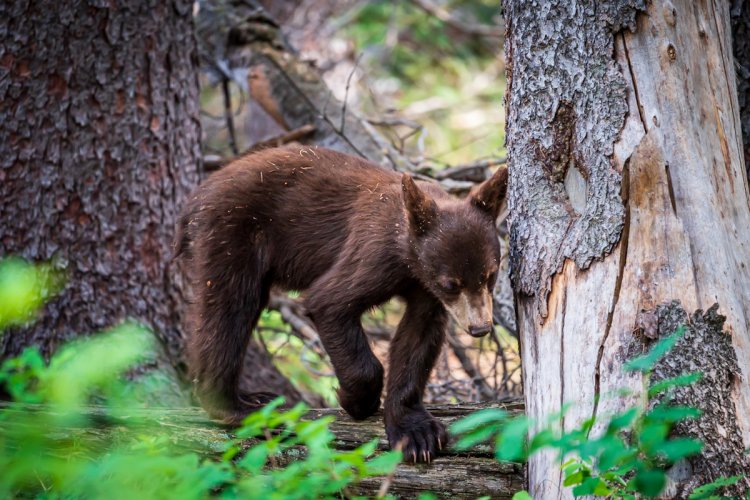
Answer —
413 352
359 372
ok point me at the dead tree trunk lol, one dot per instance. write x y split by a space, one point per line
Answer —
628 191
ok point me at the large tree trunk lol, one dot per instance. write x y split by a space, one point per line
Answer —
99 146
628 191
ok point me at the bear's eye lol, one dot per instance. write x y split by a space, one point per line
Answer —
449 285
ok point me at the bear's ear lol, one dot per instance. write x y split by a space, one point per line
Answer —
489 195
421 209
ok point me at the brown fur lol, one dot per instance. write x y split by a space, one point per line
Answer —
352 235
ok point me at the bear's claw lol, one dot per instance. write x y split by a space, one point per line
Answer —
418 435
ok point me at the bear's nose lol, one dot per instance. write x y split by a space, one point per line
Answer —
480 331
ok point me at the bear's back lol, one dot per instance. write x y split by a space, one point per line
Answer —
303 206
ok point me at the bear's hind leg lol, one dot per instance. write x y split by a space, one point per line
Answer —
230 295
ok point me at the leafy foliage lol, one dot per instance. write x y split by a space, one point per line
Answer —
23 289
626 457
54 450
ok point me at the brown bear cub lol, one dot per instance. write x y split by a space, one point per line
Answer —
352 235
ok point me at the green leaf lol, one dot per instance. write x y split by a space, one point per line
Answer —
679 381
522 495
384 463
85 365
707 490
230 452
650 482
678 448
576 478
543 438
24 287
671 414
602 490
623 420
615 454
511 443
653 435
592 486
573 465
481 435
478 419
647 361
368 448
255 458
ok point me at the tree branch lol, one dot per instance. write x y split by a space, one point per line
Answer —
440 13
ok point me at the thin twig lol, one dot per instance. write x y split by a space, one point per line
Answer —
475 171
281 139
460 351
324 113
346 93
311 105
271 458
445 16
215 162
386 484
228 115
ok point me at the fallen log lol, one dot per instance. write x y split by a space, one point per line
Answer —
454 474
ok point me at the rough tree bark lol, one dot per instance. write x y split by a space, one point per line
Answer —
627 192
99 146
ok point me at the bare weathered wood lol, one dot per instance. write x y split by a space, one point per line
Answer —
467 474
628 190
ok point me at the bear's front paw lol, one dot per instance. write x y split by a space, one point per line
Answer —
418 434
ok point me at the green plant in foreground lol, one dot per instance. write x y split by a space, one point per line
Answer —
53 444
628 457
23 289
56 450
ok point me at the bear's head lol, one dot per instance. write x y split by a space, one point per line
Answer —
455 250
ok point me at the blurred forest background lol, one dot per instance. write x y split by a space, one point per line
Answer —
422 79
